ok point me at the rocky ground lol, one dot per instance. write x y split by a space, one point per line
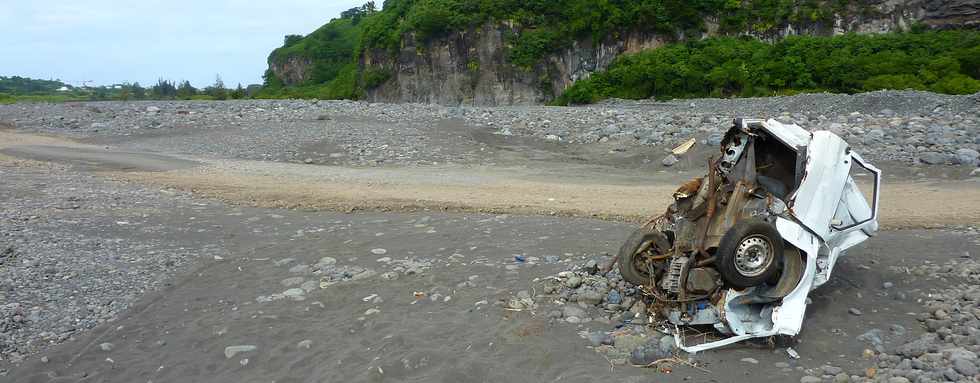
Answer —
906 127
63 269
109 274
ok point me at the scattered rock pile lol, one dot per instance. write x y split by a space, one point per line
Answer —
325 273
907 126
948 350
65 267
585 294
888 125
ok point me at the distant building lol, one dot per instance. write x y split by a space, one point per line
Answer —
63 89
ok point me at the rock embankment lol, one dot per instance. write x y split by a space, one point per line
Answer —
905 126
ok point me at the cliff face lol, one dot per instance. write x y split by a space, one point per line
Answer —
471 67
293 70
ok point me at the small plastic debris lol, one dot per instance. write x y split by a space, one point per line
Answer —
419 295
520 259
684 147
792 353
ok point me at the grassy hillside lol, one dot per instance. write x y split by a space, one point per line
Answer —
714 67
943 62
544 26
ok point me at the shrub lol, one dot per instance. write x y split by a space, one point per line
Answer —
741 67
375 77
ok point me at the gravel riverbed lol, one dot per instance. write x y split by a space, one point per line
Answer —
117 281
904 126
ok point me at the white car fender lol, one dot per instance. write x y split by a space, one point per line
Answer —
787 318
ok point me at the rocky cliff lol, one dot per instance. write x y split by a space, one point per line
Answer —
471 67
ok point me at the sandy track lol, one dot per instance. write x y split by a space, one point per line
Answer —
568 191
903 204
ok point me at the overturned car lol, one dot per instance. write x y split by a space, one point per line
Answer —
741 248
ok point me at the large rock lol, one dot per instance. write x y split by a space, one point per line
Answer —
589 296
648 353
926 343
965 367
967 156
874 136
932 158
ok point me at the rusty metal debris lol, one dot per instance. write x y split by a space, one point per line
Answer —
741 248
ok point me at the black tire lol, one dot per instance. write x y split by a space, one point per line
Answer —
749 253
629 265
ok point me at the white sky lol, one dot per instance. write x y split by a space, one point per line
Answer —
143 40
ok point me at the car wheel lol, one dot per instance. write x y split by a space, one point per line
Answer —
633 263
747 253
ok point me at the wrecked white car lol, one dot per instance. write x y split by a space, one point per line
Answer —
741 248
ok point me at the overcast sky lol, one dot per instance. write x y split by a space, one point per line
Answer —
141 40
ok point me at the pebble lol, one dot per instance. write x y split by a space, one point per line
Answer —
832 370
599 338
750 360
106 346
614 297
295 294
810 379
854 311
573 311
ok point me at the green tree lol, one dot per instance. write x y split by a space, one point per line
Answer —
186 91
291 40
217 90
238 93
138 92
125 93
164 90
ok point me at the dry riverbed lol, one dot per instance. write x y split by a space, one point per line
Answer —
145 256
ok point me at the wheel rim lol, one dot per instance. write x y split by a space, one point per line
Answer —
753 256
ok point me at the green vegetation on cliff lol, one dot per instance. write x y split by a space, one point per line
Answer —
944 62
330 62
541 27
